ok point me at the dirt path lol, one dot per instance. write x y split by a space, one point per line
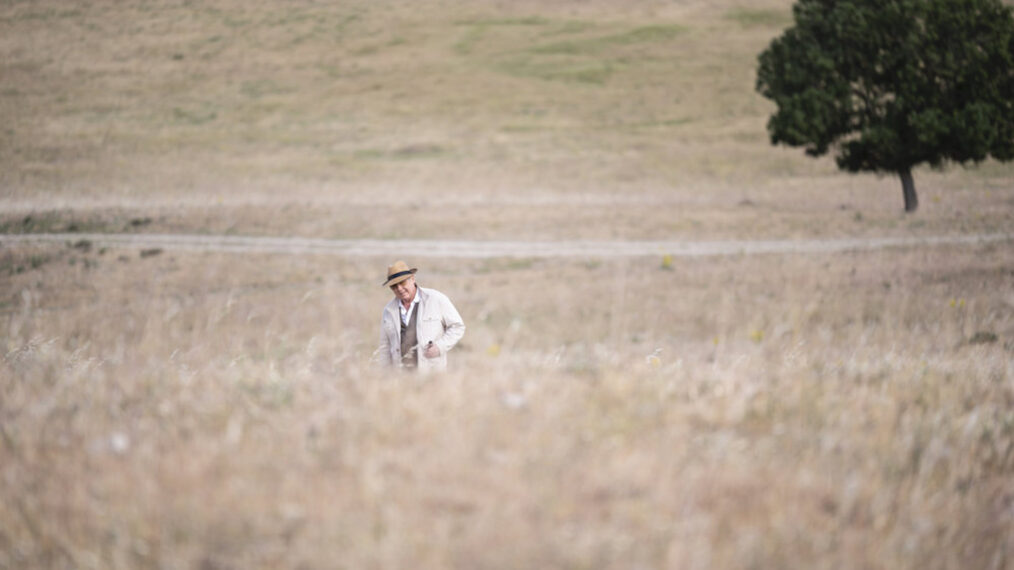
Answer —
490 249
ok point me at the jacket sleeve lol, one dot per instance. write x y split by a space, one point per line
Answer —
383 353
454 327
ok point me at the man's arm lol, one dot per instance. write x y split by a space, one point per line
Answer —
383 353
454 326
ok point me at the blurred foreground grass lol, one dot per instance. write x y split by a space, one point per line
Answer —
212 411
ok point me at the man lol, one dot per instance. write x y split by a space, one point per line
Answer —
418 326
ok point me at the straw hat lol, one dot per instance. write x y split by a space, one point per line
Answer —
398 273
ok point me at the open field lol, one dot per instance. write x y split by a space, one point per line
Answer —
173 409
218 410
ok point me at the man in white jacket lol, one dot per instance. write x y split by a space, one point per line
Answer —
419 326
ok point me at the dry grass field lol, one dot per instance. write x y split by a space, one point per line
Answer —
177 410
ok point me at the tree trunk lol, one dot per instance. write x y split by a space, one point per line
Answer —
908 189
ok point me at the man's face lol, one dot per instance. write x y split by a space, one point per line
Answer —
405 291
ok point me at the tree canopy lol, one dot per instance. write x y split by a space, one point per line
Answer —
890 84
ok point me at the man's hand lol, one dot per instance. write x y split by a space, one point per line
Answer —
431 350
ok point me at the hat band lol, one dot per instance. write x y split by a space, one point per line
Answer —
397 275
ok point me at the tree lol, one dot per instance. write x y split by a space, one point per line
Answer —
890 84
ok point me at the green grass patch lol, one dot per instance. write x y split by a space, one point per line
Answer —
595 45
578 71
584 57
654 124
478 30
759 18
14 263
57 222
647 34
41 15
525 21
193 116
407 152
262 88
46 222
466 45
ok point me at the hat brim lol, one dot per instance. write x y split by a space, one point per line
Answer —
399 277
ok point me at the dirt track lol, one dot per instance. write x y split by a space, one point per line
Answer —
491 249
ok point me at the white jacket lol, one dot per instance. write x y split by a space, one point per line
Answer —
436 320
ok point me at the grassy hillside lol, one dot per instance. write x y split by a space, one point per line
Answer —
309 94
439 107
